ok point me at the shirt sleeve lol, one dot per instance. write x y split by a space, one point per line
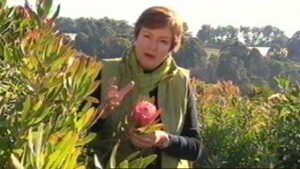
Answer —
188 144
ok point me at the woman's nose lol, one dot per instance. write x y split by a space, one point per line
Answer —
153 45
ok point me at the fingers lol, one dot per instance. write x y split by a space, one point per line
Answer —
113 99
142 141
113 82
115 96
126 89
162 139
158 139
112 88
112 92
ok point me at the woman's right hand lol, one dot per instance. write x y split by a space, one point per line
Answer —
115 96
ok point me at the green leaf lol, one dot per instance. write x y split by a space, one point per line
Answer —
38 104
63 149
86 119
39 8
137 163
16 162
54 92
39 143
26 73
86 139
24 44
63 58
30 141
148 160
93 87
53 82
8 54
133 155
113 156
46 5
124 164
55 15
151 128
26 105
42 116
36 18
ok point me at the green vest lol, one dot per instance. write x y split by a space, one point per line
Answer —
172 100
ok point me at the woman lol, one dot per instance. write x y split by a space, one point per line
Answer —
147 69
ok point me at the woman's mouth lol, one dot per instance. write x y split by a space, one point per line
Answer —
149 56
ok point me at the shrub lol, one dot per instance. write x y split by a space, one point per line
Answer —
43 83
256 132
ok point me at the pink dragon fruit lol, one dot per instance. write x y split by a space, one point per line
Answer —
145 113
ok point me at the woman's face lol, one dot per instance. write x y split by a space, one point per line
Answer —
152 46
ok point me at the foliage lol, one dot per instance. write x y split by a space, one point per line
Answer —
256 132
192 54
46 81
293 47
277 53
251 36
134 160
103 38
45 104
232 68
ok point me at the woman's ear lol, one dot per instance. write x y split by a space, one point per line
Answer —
134 42
177 45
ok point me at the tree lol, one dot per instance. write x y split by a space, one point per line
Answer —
231 68
204 33
245 30
116 47
66 25
231 64
256 64
211 69
278 53
191 54
293 47
103 38
82 44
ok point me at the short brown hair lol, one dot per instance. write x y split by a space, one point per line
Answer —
159 17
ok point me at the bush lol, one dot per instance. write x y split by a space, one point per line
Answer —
43 83
239 132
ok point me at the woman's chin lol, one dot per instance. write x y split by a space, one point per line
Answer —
148 67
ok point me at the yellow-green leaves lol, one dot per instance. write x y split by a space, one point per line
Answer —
42 122
134 160
256 132
150 128
16 162
2 3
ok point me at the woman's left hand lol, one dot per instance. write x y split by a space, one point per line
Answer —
158 139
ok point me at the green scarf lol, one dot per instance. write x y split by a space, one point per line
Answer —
130 69
172 83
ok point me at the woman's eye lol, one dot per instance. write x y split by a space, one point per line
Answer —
146 36
164 42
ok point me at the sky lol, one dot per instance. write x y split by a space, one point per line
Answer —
284 14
